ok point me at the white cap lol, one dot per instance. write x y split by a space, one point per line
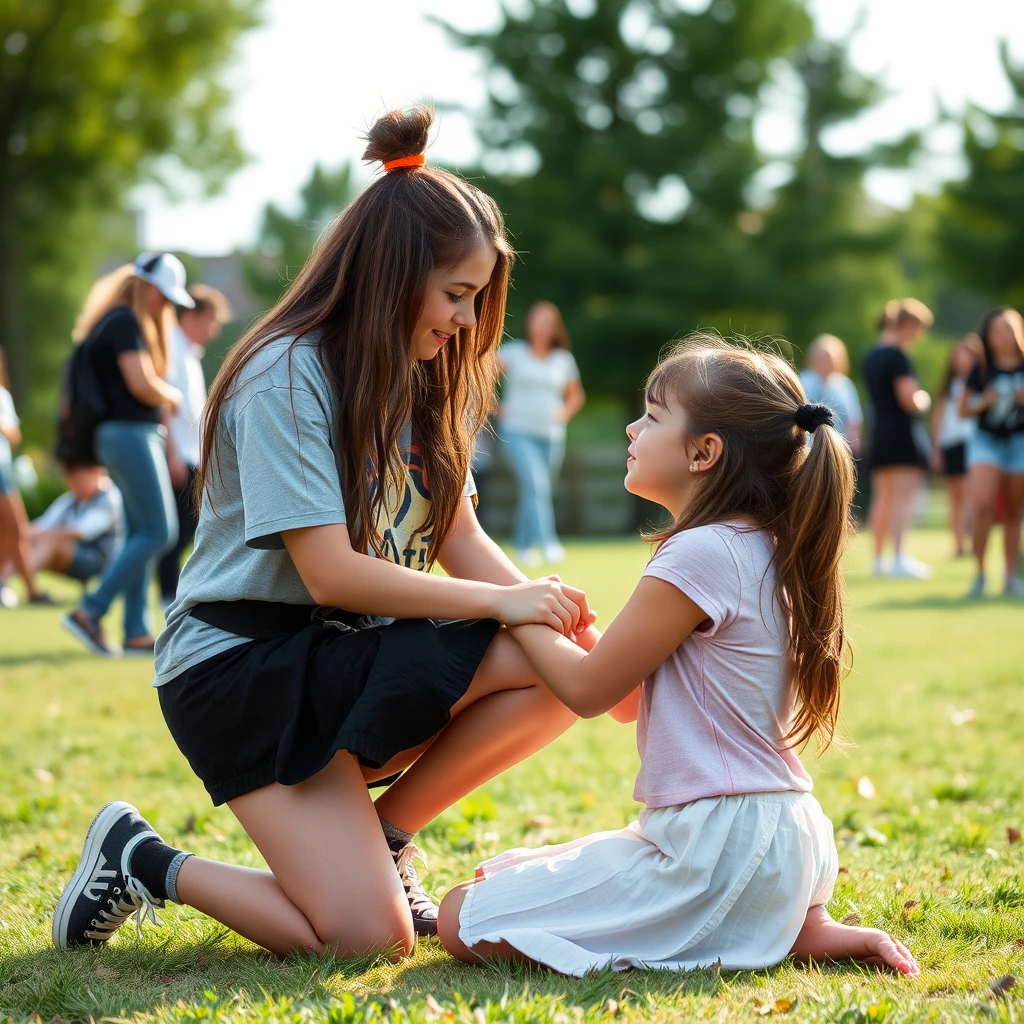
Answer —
166 272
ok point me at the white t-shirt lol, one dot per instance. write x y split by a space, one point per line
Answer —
714 715
534 390
955 429
185 372
7 413
98 521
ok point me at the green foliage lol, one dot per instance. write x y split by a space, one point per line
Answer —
96 95
926 854
981 232
285 241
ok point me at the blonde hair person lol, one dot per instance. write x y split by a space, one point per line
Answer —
900 448
124 327
827 380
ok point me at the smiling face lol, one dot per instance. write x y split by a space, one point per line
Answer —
451 301
664 465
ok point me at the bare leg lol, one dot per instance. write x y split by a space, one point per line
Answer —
14 531
506 715
332 884
1011 530
956 490
880 513
822 939
907 482
448 932
983 484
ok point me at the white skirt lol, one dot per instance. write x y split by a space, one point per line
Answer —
724 880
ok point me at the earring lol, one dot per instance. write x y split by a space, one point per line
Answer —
695 466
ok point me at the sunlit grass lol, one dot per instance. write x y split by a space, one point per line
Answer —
923 843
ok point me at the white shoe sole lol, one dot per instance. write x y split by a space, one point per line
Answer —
108 816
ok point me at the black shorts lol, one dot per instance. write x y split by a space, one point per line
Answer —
894 445
278 710
954 460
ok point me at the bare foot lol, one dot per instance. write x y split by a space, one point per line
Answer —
821 938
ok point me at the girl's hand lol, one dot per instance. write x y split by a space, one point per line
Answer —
544 602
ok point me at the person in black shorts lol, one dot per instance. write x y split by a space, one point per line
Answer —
310 651
899 450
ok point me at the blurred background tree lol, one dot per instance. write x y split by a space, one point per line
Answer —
981 217
95 96
285 239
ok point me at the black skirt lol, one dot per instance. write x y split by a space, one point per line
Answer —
277 710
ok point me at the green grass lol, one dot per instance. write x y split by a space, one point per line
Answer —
926 855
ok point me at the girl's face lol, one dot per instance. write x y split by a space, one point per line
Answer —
540 328
663 464
963 360
451 301
821 362
1005 337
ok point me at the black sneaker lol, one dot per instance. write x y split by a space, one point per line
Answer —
102 893
90 633
424 909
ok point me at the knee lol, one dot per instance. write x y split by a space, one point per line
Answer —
383 934
448 923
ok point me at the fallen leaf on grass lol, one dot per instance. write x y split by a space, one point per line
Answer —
103 971
1002 985
773 1009
190 824
540 821
908 907
851 919
1013 835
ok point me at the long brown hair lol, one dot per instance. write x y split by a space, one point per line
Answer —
362 291
798 493
972 343
122 288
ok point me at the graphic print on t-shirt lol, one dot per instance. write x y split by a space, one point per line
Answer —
400 522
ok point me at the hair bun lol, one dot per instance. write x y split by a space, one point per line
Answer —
399 133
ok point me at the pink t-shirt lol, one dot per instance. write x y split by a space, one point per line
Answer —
713 716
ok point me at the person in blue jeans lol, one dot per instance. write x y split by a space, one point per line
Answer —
125 326
541 393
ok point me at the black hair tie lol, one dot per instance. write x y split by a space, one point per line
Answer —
813 415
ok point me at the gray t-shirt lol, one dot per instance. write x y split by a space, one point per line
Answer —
275 469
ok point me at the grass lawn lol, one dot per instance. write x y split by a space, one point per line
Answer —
922 800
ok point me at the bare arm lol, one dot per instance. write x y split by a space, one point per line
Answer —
338 576
973 402
575 399
11 431
144 383
912 398
657 618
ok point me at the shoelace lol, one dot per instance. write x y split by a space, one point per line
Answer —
404 861
135 899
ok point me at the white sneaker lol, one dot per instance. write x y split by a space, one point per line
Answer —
977 587
1014 587
8 598
883 567
528 558
554 553
910 568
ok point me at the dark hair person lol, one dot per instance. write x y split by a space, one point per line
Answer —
899 449
124 326
540 394
309 652
951 433
994 394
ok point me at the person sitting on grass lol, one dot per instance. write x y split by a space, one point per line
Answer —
736 628
81 531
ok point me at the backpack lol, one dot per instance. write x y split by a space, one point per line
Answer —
82 408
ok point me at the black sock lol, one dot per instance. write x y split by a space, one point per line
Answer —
397 839
150 862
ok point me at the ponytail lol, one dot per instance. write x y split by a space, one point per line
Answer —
810 538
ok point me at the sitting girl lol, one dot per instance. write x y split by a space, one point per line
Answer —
736 628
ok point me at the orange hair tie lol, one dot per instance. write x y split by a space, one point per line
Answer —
416 160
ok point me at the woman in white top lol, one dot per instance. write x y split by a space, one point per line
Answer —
951 432
541 393
827 380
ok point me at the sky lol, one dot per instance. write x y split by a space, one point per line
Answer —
309 82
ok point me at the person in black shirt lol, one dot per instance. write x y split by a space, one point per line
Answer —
899 450
124 326
994 393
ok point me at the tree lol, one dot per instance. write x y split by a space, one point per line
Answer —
831 259
619 145
981 225
94 96
285 241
